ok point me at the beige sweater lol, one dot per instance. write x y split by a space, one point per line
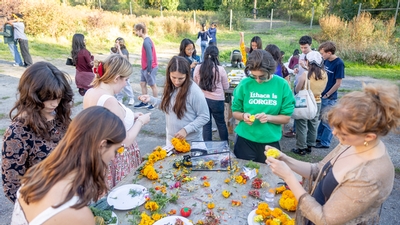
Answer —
356 200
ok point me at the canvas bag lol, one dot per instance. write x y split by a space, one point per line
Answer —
198 41
305 107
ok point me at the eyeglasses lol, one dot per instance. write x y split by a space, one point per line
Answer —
189 50
261 77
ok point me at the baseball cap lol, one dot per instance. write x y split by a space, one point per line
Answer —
315 57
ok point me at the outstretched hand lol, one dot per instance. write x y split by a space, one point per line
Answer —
144 98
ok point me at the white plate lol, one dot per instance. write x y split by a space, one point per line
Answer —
113 215
122 200
172 220
252 214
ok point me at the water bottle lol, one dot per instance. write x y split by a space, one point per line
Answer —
270 198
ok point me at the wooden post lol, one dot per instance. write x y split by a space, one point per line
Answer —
230 21
99 4
359 10
194 18
312 17
130 7
161 11
255 9
397 11
272 15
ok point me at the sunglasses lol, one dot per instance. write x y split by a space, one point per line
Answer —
255 77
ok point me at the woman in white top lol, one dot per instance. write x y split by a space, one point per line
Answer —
58 189
111 77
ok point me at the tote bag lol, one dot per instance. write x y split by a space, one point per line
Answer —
198 41
305 107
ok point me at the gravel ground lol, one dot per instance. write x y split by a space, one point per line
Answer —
153 133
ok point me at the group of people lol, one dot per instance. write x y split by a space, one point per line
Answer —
14 34
53 166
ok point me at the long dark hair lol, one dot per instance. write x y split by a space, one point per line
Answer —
261 60
184 43
39 83
257 40
78 152
78 44
181 65
315 69
209 73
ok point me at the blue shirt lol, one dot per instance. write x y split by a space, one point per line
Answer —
213 34
334 70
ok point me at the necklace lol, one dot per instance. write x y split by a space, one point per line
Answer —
338 156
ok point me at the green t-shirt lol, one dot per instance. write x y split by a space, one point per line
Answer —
273 97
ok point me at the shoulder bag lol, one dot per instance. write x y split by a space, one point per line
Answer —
305 107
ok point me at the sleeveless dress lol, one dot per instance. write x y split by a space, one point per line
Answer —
18 216
124 163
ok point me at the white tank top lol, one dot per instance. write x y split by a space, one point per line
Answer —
129 119
18 216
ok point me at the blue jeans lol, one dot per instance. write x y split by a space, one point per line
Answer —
216 109
324 130
14 51
204 45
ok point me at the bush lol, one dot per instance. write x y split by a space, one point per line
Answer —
363 39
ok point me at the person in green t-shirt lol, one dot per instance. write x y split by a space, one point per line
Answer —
262 103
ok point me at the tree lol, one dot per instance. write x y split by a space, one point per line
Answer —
170 4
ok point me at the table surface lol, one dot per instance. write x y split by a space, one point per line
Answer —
194 195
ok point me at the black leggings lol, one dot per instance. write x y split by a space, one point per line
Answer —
249 150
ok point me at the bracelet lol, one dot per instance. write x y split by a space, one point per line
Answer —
140 121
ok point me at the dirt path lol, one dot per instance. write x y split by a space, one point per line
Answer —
153 134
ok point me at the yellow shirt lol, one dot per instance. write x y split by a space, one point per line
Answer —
318 86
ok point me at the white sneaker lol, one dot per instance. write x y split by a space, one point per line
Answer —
15 65
214 129
131 101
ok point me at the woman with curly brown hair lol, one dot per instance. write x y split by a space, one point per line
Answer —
183 102
58 190
350 184
43 111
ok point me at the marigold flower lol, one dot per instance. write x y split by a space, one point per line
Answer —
206 184
180 145
258 219
121 150
210 205
288 201
152 206
227 180
172 212
226 193
272 152
280 189
156 216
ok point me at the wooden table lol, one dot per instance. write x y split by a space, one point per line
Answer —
194 195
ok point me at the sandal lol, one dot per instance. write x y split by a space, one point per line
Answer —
289 134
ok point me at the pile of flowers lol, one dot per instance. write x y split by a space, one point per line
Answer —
256 183
180 145
272 217
241 178
148 170
288 201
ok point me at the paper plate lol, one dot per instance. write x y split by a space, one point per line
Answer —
122 200
252 214
171 220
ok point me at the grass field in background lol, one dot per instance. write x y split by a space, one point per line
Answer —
285 37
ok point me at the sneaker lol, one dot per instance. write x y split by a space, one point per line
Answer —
15 65
141 105
131 101
289 134
319 145
151 107
214 129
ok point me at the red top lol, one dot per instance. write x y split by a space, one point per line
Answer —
84 61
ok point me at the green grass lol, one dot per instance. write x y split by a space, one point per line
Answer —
396 170
2 131
306 158
77 103
6 97
389 72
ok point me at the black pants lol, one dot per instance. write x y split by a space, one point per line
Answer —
236 58
249 150
23 46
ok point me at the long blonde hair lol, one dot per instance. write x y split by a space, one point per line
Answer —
114 65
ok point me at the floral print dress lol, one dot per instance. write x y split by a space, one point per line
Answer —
124 163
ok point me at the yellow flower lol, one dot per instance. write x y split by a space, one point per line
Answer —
280 189
210 205
252 118
239 179
156 216
272 152
152 206
226 193
258 219
180 145
121 150
227 180
288 201
206 184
